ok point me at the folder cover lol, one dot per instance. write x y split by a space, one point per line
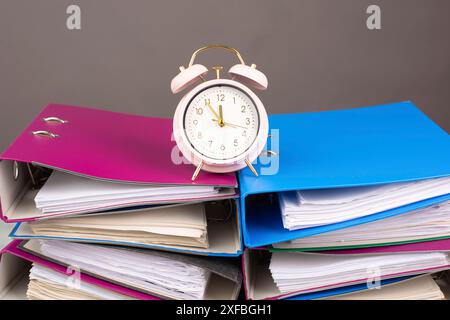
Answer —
260 284
98 144
344 148
12 251
225 281
224 235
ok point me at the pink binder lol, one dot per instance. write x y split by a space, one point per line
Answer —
12 249
98 144
224 282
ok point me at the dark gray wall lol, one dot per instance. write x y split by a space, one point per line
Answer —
318 54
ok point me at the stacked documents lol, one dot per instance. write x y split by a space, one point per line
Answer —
46 284
118 210
126 217
146 271
152 273
420 288
200 228
357 199
311 208
176 225
429 223
306 271
66 193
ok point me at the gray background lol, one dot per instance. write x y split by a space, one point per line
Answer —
318 54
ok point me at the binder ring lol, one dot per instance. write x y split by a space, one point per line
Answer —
15 170
54 119
268 153
45 133
230 207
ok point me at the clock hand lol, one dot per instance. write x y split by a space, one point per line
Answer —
235 125
221 123
213 111
231 124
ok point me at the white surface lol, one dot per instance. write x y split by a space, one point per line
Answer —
309 208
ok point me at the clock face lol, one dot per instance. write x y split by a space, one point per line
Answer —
221 122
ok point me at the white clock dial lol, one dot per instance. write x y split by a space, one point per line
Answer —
221 122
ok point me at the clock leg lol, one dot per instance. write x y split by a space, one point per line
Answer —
250 166
197 171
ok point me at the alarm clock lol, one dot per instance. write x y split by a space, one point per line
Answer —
220 125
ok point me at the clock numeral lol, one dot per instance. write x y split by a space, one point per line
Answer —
244 133
247 121
199 111
234 100
222 147
243 109
221 97
210 142
207 102
195 122
235 142
199 135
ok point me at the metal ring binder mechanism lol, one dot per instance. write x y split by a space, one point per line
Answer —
15 170
268 153
228 205
54 119
45 133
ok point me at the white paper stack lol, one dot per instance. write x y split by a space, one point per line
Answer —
428 223
184 225
46 284
66 193
310 208
293 271
145 270
420 288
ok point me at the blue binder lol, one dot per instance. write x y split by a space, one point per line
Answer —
16 234
343 148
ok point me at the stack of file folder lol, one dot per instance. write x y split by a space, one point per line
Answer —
355 206
360 200
100 200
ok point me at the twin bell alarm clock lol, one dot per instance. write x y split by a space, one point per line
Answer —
220 125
